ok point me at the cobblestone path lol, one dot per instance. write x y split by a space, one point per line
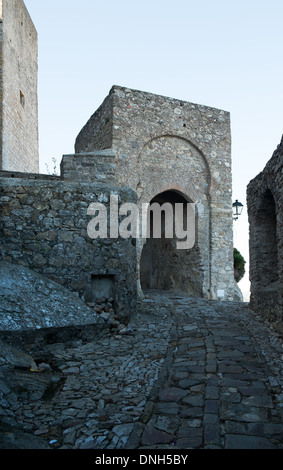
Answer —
188 374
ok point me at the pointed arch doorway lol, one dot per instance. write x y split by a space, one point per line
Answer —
163 266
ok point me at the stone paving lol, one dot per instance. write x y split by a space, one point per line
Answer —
185 374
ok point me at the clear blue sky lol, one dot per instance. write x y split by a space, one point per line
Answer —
220 53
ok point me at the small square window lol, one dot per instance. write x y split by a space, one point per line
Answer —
103 286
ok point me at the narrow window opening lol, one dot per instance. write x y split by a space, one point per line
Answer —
22 99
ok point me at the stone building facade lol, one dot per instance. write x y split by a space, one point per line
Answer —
18 89
167 150
265 210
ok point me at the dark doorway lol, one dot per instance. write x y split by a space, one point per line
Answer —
162 265
102 286
266 251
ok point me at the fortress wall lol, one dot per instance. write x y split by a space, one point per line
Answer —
43 227
265 210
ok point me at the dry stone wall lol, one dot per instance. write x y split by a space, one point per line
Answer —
99 166
44 228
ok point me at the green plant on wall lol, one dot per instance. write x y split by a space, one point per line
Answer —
239 265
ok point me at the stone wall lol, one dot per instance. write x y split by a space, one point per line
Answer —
18 89
161 150
96 166
44 227
164 144
102 122
265 209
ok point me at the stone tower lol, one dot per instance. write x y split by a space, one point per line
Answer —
18 89
167 150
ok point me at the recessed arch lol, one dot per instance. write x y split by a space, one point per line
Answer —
188 143
266 239
162 265
265 251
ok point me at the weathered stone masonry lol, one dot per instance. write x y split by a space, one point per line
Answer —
164 146
44 227
18 89
143 148
265 209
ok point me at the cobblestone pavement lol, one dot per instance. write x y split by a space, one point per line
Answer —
187 374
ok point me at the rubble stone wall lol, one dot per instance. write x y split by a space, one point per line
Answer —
164 144
97 166
265 209
44 227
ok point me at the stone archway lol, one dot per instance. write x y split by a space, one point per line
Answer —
165 267
265 287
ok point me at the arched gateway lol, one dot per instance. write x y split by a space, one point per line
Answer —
173 170
168 150
164 265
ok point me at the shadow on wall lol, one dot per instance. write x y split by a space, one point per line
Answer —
162 265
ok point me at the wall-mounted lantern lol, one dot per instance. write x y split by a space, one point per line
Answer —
237 209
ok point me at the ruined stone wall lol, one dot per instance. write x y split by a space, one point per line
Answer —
18 89
165 144
43 227
265 209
